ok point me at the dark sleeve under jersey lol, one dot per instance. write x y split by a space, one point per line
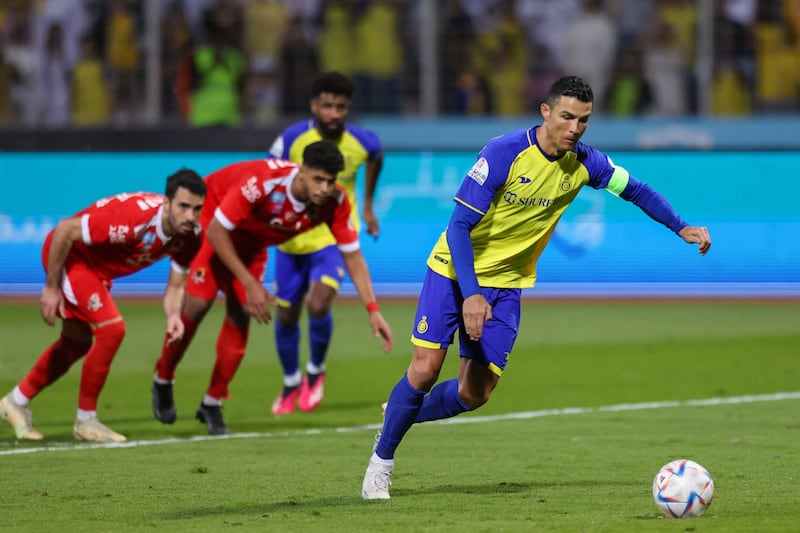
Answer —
458 239
473 199
652 203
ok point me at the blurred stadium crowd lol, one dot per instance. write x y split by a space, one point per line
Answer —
123 63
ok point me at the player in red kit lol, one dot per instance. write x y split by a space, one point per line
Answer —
253 205
113 237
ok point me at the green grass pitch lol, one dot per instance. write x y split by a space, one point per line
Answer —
596 397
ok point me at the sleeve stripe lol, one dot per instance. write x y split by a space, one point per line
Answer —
350 247
226 223
179 268
618 181
462 202
86 234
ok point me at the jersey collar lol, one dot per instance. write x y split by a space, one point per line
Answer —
297 205
159 224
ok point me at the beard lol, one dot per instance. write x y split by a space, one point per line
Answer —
174 228
331 132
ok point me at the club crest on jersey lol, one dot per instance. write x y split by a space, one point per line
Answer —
422 325
479 171
147 241
566 183
199 276
94 302
277 197
250 190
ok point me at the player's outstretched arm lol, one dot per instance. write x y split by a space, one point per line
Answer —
359 273
258 298
371 173
173 304
657 208
697 235
380 329
67 233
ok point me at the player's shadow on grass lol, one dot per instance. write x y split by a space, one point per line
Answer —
502 487
313 505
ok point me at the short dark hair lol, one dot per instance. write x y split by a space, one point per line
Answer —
324 155
572 86
188 179
332 82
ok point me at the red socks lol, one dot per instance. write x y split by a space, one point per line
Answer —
171 354
52 364
230 351
107 339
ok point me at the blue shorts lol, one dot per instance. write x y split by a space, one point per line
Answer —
439 315
295 273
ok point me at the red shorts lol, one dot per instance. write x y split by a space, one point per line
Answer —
207 274
87 297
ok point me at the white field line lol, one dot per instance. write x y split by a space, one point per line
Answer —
67 446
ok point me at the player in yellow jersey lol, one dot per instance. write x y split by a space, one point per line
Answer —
309 268
506 210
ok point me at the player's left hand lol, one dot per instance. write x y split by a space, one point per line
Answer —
175 329
372 223
697 235
380 329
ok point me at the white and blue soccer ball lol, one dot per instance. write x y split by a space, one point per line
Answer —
683 489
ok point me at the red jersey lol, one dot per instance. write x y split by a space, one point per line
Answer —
253 201
122 234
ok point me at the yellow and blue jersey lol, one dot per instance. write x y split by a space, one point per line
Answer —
517 194
357 145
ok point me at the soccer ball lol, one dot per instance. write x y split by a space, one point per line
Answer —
683 489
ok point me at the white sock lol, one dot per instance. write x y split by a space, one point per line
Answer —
381 461
293 380
208 400
86 415
19 398
314 369
162 381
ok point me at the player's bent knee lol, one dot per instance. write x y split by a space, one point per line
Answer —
287 316
111 331
196 308
422 376
473 401
318 309
76 332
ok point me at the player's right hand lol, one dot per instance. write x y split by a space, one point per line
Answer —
371 222
381 330
476 312
175 329
51 305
